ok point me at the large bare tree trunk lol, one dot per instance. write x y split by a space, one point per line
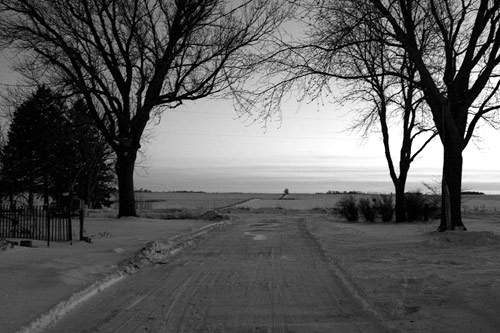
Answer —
451 202
400 205
125 164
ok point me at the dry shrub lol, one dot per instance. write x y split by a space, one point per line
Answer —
369 212
347 207
385 207
421 207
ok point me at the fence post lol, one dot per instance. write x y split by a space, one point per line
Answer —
70 224
81 215
47 216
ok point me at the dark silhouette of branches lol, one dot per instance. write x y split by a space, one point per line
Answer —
453 47
342 46
132 60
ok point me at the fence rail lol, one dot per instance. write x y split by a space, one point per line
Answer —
38 223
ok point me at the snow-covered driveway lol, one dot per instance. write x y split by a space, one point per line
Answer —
265 273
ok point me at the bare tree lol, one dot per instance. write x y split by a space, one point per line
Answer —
131 60
454 46
385 82
458 76
375 75
395 107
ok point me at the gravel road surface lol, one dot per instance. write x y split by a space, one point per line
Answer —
265 273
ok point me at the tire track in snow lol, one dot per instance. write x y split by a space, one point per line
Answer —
232 282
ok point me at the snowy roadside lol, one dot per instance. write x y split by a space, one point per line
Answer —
40 284
416 279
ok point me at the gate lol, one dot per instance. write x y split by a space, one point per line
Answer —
40 223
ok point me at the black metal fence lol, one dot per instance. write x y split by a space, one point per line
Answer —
41 223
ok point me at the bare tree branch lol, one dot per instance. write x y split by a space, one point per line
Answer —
132 60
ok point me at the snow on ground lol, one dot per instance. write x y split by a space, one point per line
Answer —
34 280
419 280
295 202
287 204
416 279
470 203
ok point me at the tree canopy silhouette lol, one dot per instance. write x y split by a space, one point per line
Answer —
130 60
453 47
51 152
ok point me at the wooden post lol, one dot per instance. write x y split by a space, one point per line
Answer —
70 224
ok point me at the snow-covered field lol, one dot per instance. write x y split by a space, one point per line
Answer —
171 200
416 279
194 200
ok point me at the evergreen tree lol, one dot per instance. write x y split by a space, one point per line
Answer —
31 150
54 151
95 179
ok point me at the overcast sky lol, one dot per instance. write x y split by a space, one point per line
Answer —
204 146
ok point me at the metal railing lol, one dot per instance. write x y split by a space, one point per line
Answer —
39 223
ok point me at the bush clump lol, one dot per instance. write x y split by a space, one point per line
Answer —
421 207
384 205
367 209
347 207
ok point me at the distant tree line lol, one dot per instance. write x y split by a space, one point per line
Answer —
143 190
472 193
342 192
53 150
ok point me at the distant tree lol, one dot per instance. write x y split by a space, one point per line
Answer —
130 60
